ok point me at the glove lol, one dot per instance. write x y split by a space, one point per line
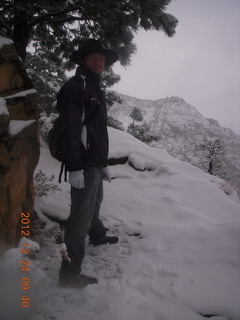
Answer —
76 179
107 174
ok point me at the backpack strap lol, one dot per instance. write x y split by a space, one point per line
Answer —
63 167
84 128
61 172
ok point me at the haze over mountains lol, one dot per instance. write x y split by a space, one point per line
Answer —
180 129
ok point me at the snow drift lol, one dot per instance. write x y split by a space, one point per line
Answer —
178 255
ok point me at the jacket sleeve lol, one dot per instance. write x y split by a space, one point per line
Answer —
70 104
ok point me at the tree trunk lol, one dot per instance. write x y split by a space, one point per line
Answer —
210 168
21 32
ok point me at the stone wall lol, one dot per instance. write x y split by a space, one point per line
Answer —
19 143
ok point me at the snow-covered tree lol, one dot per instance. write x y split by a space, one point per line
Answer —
136 115
114 123
46 123
142 132
213 153
47 77
57 25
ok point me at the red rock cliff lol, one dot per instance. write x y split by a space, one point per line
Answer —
19 143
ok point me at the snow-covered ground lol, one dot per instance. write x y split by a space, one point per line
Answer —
178 257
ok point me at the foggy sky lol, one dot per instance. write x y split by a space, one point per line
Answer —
200 64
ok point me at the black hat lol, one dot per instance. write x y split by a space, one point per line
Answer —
90 46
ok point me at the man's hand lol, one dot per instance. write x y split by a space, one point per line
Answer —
76 179
107 174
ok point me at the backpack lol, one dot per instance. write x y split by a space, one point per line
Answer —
56 143
56 140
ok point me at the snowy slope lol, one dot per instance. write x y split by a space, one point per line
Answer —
178 255
180 128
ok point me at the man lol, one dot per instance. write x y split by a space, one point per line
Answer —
82 112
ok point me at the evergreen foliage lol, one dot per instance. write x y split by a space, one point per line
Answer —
114 123
46 123
52 29
136 115
213 152
57 25
47 78
43 184
142 132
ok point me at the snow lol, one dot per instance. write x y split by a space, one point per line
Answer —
21 94
3 107
16 126
178 254
5 41
32 245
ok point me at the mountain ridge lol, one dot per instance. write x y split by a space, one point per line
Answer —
180 128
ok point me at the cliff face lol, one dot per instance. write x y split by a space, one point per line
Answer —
180 128
19 143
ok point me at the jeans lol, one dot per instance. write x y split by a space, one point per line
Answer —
84 218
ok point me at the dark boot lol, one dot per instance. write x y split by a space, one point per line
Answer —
70 277
103 240
77 282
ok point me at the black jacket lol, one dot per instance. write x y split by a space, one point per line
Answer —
72 99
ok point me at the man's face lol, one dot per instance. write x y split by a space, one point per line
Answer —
95 62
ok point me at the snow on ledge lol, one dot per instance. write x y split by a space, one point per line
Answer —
21 94
5 41
16 126
3 107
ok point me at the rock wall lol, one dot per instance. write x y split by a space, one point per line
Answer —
19 143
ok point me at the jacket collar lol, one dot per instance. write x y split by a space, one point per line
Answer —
90 75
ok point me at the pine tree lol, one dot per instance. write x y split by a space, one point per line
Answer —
47 78
142 132
213 153
53 29
114 123
58 25
136 115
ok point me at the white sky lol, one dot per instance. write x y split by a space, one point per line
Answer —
200 64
